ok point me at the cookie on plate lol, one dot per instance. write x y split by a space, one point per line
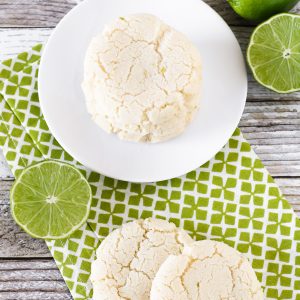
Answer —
142 79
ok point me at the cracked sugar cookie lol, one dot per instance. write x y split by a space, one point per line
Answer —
142 79
128 258
206 270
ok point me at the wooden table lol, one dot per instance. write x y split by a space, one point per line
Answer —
271 123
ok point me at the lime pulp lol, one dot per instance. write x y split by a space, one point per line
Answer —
50 200
274 53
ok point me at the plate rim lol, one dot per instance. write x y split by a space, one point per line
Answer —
135 178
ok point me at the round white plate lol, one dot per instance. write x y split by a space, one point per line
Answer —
63 104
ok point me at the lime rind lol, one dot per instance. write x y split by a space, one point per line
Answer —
259 10
36 217
252 65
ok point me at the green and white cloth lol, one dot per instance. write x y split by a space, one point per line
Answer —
232 198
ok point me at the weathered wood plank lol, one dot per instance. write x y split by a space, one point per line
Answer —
291 189
4 169
271 114
13 41
16 243
31 279
34 295
289 186
33 13
273 129
274 136
272 126
5 186
226 12
43 13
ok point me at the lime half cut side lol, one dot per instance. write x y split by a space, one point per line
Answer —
50 200
274 53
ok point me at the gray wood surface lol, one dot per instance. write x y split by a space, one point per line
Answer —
16 243
45 13
271 123
31 279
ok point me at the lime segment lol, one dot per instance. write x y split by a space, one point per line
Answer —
274 53
50 200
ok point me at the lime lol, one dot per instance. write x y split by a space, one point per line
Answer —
50 200
260 10
274 53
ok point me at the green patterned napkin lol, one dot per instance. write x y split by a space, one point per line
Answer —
232 198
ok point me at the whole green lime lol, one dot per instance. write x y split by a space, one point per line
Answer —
260 10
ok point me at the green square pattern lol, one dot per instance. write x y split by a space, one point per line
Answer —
231 198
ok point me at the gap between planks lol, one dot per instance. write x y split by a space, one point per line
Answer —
16 243
31 279
46 13
14 41
271 126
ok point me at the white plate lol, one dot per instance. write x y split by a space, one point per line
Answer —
63 104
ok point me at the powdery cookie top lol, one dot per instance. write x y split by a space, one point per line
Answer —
142 79
128 259
206 270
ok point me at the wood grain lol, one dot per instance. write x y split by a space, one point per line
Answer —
31 279
43 13
33 13
5 172
271 123
28 294
16 243
13 41
273 129
291 189
226 12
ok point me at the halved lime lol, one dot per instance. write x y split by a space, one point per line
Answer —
50 200
274 53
